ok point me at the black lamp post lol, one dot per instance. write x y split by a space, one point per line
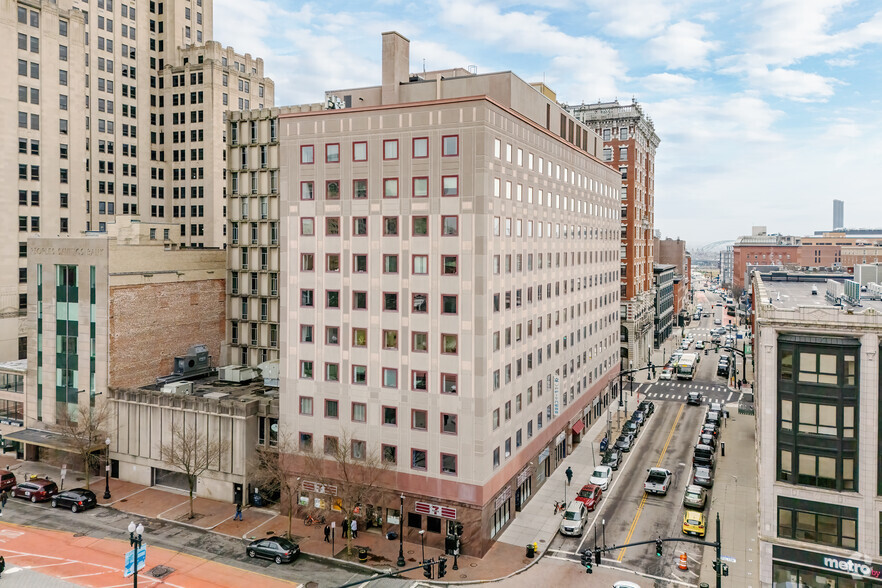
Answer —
135 541
107 469
401 561
423 543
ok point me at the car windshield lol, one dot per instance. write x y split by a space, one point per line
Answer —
586 493
599 474
572 515
693 522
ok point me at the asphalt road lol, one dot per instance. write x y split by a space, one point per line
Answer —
103 522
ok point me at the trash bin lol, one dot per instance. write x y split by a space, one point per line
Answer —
391 535
530 550
362 555
703 585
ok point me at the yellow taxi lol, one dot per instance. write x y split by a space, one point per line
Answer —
694 523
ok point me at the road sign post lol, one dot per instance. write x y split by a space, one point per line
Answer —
130 567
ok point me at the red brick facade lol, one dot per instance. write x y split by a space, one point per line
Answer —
151 324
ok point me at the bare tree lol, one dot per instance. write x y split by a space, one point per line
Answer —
84 430
270 472
193 452
355 471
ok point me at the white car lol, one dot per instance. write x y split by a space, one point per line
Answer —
602 476
699 344
625 584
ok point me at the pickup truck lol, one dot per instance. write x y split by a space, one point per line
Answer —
658 481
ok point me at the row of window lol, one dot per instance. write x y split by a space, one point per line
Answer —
389 453
419 188
419 150
449 264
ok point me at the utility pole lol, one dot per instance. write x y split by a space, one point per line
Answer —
719 565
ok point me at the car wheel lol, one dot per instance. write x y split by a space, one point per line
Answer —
73 508
33 499
251 553
54 504
278 559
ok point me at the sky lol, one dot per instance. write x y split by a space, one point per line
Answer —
767 110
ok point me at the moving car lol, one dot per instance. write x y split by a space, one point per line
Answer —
723 368
590 496
623 443
658 481
703 477
612 458
275 548
695 497
694 397
693 523
35 490
7 480
718 321
696 316
667 373
647 407
76 499
699 344
602 476
574 519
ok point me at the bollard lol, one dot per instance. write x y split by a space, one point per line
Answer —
723 449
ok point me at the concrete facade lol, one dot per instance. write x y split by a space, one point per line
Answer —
450 300
818 400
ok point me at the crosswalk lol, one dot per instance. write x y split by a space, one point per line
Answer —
663 396
689 385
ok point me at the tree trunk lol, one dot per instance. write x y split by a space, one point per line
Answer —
190 479
87 468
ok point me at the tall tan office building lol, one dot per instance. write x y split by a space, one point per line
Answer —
629 145
449 299
117 108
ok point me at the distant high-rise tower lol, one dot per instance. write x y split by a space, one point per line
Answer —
838 214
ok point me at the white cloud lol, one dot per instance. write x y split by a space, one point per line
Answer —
636 19
682 46
841 62
782 82
668 83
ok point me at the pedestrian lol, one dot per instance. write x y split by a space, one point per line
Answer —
4 496
345 530
2 564
327 533
569 474
238 515
354 529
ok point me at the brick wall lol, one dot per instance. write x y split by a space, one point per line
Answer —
151 324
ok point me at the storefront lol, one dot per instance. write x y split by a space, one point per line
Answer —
796 568
524 487
544 469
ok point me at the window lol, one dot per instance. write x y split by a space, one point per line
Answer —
331 445
420 341
359 412
332 262
390 226
359 151
307 154
450 225
332 153
359 374
332 372
359 300
419 303
420 147
307 226
359 337
448 423
390 416
449 344
332 225
390 149
390 301
448 464
448 303
816 522
390 378
448 383
359 189
306 405
450 146
332 335
450 186
306 370
307 190
332 190
418 459
307 262
390 454
306 442
420 187
359 226
420 264
306 333
449 264
332 299
419 381
390 188
419 419
420 226
390 264
390 339
307 298
359 263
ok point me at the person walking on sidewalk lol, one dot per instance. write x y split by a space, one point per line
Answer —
4 496
345 529
569 474
327 533
238 515
354 529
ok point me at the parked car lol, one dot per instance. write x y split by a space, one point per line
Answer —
7 480
639 417
601 476
275 548
715 407
710 429
694 397
631 427
694 523
76 499
713 417
667 373
647 407
574 519
612 458
623 443
703 456
695 497
707 439
703 477
35 490
590 495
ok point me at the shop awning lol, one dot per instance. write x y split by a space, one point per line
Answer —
43 438
577 428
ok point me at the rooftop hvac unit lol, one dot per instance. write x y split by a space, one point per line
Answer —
237 373
194 363
270 371
179 388
215 395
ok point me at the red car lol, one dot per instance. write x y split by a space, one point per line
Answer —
590 495
35 490
7 480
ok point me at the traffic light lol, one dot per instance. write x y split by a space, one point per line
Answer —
442 567
427 569
658 547
725 569
586 561
652 367
597 556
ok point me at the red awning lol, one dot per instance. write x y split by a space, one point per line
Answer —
577 428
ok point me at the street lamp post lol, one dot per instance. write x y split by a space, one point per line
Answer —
401 561
107 469
423 543
135 534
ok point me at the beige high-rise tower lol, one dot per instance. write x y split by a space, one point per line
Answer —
117 108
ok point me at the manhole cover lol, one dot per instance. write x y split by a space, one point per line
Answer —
473 565
161 571
79 534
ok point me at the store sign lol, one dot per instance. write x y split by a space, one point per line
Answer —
525 473
502 498
846 565
319 488
556 395
435 510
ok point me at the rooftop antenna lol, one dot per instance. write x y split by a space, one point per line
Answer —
424 65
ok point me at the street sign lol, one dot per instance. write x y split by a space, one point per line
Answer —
728 559
130 561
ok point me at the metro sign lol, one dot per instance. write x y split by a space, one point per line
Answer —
435 510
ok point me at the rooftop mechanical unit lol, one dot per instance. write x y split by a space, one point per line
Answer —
237 373
195 364
178 388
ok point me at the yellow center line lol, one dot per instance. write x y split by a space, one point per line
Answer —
643 500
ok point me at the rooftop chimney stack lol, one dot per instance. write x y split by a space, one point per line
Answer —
396 65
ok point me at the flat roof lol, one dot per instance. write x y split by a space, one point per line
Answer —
16 365
796 294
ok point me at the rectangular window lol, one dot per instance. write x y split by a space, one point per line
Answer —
449 145
390 378
390 188
419 419
359 374
359 189
390 264
448 383
307 154
448 423
420 341
420 226
331 409
390 226
418 459
420 187
449 344
390 301
332 372
332 190
450 226
306 405
359 300
306 370
448 303
450 265
359 151
390 149
307 226
419 381
420 264
359 337
420 303
420 147
450 186
332 153
390 416
359 412
359 226
448 464
359 263
307 190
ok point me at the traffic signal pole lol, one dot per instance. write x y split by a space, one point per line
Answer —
719 562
